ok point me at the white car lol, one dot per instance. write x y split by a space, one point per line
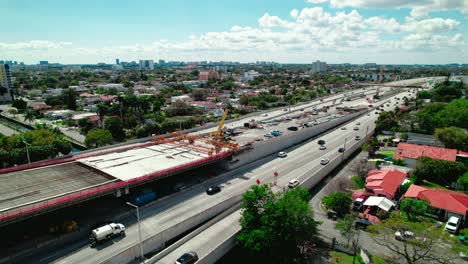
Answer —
293 183
322 147
453 224
324 161
282 154
265 114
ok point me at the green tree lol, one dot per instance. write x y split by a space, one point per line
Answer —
446 92
276 227
69 98
453 137
29 116
85 125
386 121
441 172
98 138
114 125
339 202
426 245
19 104
346 227
413 208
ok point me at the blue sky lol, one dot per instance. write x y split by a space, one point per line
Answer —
336 31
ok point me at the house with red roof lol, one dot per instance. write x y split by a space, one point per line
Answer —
385 182
411 152
445 203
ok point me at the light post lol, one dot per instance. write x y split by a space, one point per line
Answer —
139 229
344 149
27 150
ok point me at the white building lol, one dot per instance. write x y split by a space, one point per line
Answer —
146 65
318 66
183 98
250 75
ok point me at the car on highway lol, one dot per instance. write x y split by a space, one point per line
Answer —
368 114
453 224
285 110
321 142
187 258
322 147
357 138
293 183
268 135
356 128
282 154
265 114
213 190
324 161
302 109
358 123
376 112
341 150
343 128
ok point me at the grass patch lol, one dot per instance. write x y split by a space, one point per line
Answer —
432 185
342 258
386 153
358 181
378 260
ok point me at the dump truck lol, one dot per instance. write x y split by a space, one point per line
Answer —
106 232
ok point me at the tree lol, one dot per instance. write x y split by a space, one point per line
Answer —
438 171
85 125
361 168
453 137
446 92
404 137
426 245
346 227
339 202
69 98
19 104
413 208
29 116
276 227
114 125
386 121
101 110
98 138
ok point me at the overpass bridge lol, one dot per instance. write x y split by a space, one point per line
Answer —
391 85
29 190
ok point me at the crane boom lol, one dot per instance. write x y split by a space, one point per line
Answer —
219 133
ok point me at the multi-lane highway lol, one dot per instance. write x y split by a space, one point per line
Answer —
299 164
186 205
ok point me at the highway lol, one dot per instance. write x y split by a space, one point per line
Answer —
184 206
299 164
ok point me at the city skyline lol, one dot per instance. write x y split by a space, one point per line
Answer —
335 31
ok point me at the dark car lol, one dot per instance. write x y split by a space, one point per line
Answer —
213 189
187 258
362 223
341 150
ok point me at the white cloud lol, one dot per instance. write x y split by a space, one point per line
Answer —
294 13
420 7
316 1
305 35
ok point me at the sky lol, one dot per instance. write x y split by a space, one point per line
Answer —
285 31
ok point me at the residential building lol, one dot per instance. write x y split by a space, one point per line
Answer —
445 203
384 182
146 65
250 75
183 98
411 152
6 87
208 75
318 67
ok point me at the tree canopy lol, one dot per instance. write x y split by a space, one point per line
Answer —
276 226
339 202
453 137
438 171
98 138
438 115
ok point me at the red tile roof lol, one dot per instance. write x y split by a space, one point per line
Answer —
413 151
386 180
443 199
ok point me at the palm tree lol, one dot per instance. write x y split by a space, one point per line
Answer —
101 111
29 116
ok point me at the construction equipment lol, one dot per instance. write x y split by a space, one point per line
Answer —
219 132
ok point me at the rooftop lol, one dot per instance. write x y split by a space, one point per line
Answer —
413 151
443 199
386 180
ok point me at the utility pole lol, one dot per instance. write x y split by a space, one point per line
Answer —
139 230
27 150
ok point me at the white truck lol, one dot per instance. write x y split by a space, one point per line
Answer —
105 232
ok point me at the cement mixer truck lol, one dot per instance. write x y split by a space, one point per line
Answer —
106 232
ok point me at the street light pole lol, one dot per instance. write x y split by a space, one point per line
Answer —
139 229
27 150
